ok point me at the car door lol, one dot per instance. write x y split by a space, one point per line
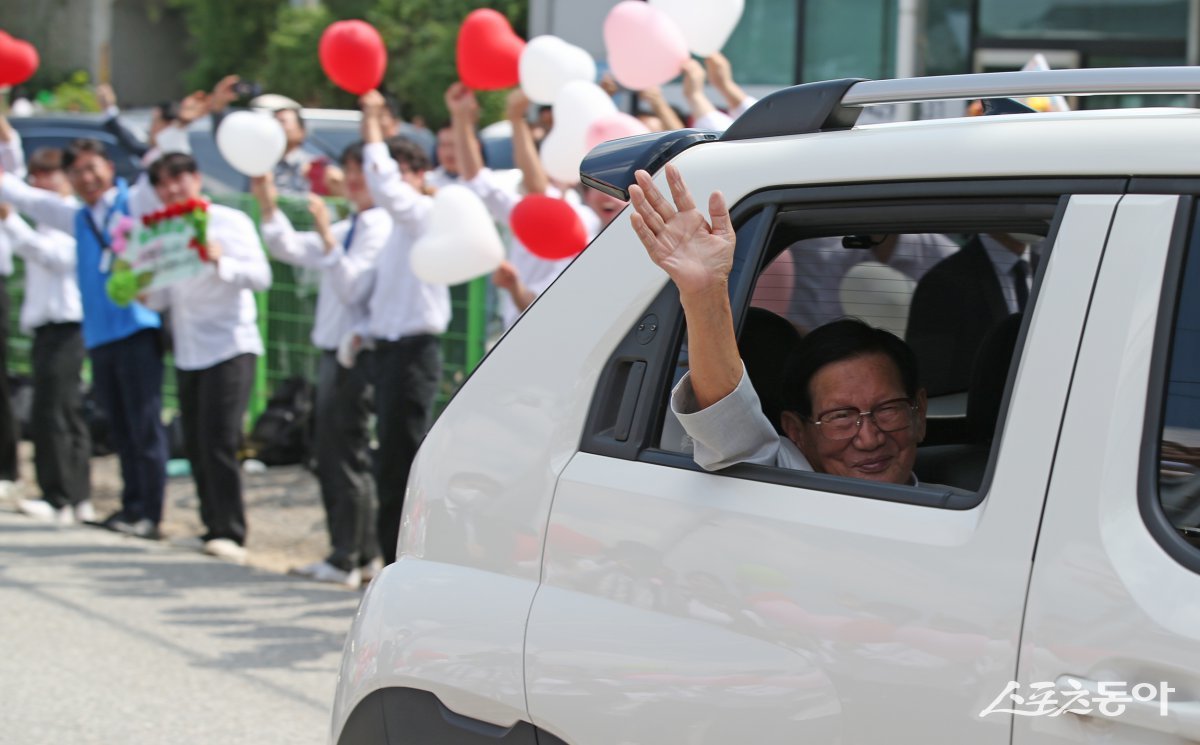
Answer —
1112 629
690 607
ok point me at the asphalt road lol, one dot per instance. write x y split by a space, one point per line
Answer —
108 639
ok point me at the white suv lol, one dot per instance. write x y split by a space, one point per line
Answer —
568 574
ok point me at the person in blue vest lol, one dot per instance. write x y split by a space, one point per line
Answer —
124 343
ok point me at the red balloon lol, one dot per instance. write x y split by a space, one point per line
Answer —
489 51
25 62
18 60
353 56
550 228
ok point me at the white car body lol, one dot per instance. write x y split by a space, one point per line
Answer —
528 592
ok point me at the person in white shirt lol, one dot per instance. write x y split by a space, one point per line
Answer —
214 324
406 316
345 253
123 342
524 275
51 312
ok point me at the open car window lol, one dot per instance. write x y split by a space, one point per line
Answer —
953 278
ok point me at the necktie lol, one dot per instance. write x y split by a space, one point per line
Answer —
1020 272
350 232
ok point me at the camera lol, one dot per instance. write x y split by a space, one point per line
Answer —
247 89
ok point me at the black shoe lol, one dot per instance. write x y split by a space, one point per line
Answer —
138 529
107 522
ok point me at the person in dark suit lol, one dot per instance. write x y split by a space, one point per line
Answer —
959 301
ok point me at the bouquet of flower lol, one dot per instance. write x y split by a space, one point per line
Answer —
149 256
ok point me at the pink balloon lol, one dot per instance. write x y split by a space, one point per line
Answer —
645 47
614 127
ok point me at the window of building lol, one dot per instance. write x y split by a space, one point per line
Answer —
849 38
762 48
1092 20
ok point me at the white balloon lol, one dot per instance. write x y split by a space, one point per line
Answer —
461 242
706 24
577 105
251 142
562 156
548 63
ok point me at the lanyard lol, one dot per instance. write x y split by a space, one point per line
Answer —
101 237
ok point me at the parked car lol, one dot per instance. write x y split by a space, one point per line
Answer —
568 574
124 144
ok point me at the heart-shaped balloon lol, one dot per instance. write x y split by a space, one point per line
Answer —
489 51
614 127
576 107
548 63
252 142
550 228
461 242
353 55
706 24
645 47
18 60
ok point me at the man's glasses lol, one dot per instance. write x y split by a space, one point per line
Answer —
889 416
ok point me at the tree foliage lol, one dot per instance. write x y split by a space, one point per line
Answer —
227 36
276 44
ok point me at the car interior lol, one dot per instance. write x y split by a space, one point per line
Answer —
817 268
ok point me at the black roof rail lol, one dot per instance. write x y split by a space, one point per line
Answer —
800 109
997 106
610 166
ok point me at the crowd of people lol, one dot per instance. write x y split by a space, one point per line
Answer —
377 324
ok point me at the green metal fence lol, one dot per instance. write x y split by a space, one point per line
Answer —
285 316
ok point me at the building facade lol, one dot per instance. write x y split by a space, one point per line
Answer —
783 42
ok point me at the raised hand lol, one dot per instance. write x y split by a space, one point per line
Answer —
696 255
461 102
516 105
224 93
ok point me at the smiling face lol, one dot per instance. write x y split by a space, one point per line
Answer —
178 188
860 383
91 175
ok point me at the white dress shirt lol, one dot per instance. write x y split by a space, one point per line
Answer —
1003 260
502 195
12 156
214 316
56 211
51 287
401 304
347 272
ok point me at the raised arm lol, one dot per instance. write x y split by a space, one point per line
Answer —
525 153
387 186
661 109
464 112
704 114
42 205
720 74
12 157
307 248
54 252
697 256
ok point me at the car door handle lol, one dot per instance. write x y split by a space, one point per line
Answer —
1182 718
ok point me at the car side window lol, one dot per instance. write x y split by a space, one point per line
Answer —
1179 439
952 279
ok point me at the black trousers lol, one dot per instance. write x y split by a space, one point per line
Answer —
343 439
9 435
407 373
212 405
127 377
62 445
